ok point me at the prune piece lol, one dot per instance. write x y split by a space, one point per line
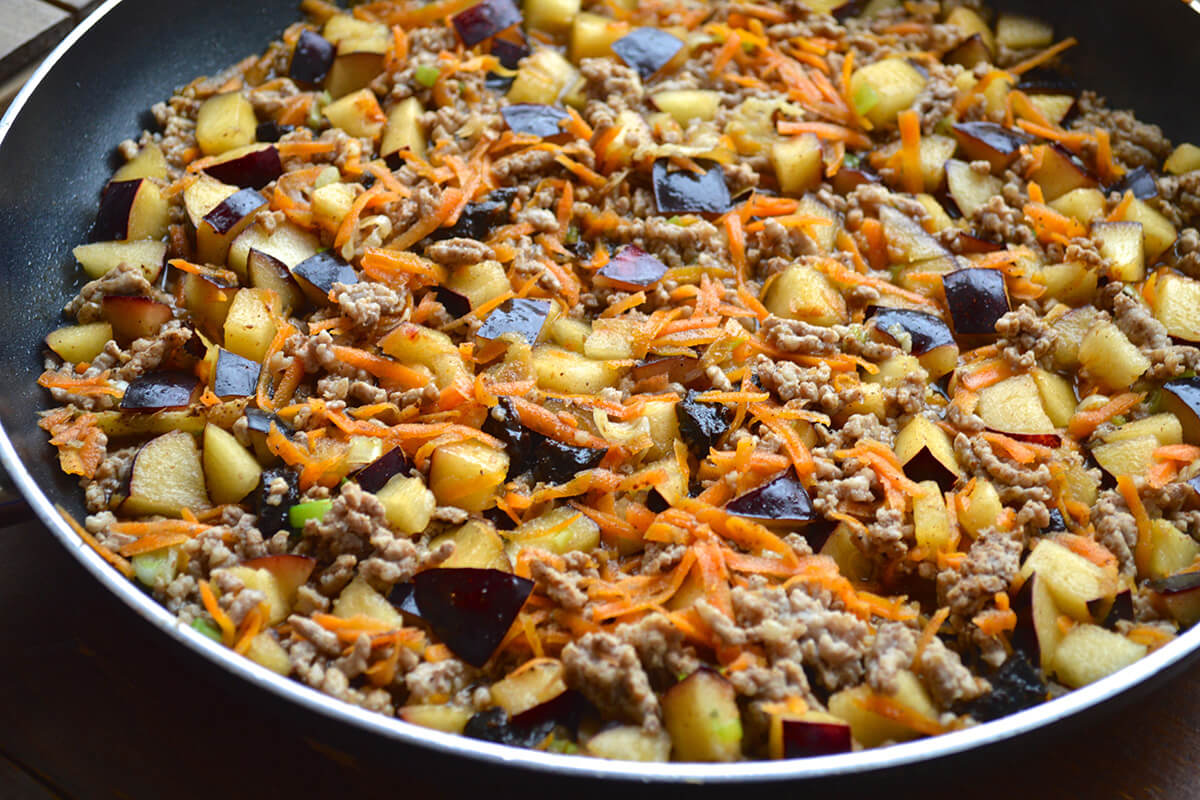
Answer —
374 476
470 610
159 390
1016 686
520 315
633 269
273 517
685 192
535 119
701 424
783 499
555 462
234 375
656 502
647 50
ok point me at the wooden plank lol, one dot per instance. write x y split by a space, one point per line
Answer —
77 8
30 28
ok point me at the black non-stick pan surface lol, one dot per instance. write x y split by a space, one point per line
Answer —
57 149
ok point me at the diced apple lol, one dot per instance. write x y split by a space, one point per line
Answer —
1176 304
630 743
148 163
1184 158
543 77
1073 580
1109 355
1171 551
231 471
1158 233
287 243
407 503
225 121
77 343
208 302
592 36
800 292
797 163
439 716
1071 282
358 598
267 652
560 530
1122 243
1071 327
476 544
530 687
1127 456
225 222
251 323
361 47
358 114
100 257
971 24
687 105
926 453
1054 107
552 16
559 370
467 474
931 522
480 282
269 274
1058 398
990 141
1165 428
1023 33
1014 405
403 131
982 507
167 477
1088 653
701 715
1059 172
871 728
885 88
971 190
331 203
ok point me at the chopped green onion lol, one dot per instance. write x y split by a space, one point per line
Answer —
865 98
207 628
316 110
851 160
303 512
944 125
1119 420
427 75
677 220
572 235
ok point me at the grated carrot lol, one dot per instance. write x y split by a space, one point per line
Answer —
910 151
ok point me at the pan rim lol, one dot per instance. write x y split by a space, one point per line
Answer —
844 765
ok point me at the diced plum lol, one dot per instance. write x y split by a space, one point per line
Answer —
1042 80
925 331
311 58
158 390
647 50
535 119
478 219
456 304
1138 180
848 178
250 167
555 462
291 571
225 222
265 271
273 516
234 375
701 424
271 131
509 53
1016 686
1181 397
522 316
685 192
484 20
494 725
972 51
134 317
783 499
470 610
805 738
374 476
632 269
318 274
991 142
133 209
977 299
684 370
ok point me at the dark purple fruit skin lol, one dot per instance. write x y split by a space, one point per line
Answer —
485 20
273 517
1057 523
926 331
159 390
1016 686
1041 80
271 131
555 462
685 192
1176 584
520 315
633 268
254 170
1139 180
456 305
647 50
312 58
260 421
1003 141
519 441
566 709
324 270
112 220
230 211
685 370
509 53
470 610
783 499
535 119
847 178
403 597
977 299
925 467
1024 636
494 81
1187 391
478 219
234 375
1122 609
374 476
701 424
494 725
805 739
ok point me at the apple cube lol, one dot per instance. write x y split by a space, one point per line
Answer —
407 504
358 114
926 453
1122 243
931 520
98 258
1014 405
592 36
701 715
250 167
251 323
1023 33
688 105
797 163
231 472
1088 653
871 728
78 343
476 544
1184 158
970 190
559 370
268 274
167 477
267 652
1109 356
528 688
148 163
560 530
800 292
1158 233
403 131
630 743
467 474
982 508
224 122
1073 580
359 599
885 88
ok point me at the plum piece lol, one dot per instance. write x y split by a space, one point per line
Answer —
1042 80
403 596
252 167
1121 610
1176 584
1016 686
478 219
565 709
1181 397
494 725
972 51
632 269
970 244
271 131
158 390
265 271
234 375
647 50
555 462
484 20
1139 180
926 332
991 142
656 502
225 222
133 209
685 192
701 424
273 516
510 54
805 738
783 499
520 315
374 476
534 119
977 299
317 275
849 178
134 317
499 83
311 59
469 609
1056 523
519 441
684 370
456 305
259 421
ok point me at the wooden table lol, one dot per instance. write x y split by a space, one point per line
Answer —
95 703
28 29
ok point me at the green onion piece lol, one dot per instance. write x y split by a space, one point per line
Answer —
865 98
207 628
851 160
303 512
1119 420
676 220
427 75
572 235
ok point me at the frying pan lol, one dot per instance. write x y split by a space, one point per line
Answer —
57 150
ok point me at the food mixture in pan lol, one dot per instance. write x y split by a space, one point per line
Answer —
657 380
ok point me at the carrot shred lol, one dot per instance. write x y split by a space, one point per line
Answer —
1044 56
1084 423
910 151
123 566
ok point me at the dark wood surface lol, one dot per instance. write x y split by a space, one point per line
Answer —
95 703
